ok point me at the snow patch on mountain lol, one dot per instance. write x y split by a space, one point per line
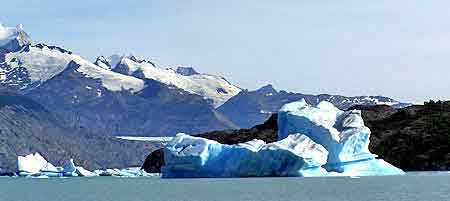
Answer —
41 63
110 80
212 87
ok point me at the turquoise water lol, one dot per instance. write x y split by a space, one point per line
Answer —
417 187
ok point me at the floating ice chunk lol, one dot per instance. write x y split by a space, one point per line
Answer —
84 173
297 155
127 172
34 163
343 134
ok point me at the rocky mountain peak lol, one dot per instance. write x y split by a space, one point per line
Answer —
103 62
186 71
267 90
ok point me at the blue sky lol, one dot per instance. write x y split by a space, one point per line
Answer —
397 48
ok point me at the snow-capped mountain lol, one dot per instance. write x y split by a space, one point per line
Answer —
155 110
250 108
92 96
211 87
42 62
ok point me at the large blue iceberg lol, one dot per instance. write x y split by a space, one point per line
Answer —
312 141
296 155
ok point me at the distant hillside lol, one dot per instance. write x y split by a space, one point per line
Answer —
412 138
27 127
250 108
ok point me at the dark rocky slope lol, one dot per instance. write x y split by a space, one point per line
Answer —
414 138
27 127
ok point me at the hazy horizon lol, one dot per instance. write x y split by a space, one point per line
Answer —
396 49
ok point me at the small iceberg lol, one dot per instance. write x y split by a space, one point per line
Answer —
34 165
127 172
83 172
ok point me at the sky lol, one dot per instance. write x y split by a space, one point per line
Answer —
399 49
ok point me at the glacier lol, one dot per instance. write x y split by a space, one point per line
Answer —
312 141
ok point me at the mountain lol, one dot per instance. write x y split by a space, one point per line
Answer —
124 95
103 99
32 65
213 88
27 127
133 107
250 108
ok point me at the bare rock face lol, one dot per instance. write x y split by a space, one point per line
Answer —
415 138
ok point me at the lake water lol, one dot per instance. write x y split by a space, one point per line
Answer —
413 187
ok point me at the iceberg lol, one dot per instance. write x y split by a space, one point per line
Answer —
127 172
80 171
342 133
34 164
312 141
296 155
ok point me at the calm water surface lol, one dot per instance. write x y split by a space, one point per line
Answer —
417 187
